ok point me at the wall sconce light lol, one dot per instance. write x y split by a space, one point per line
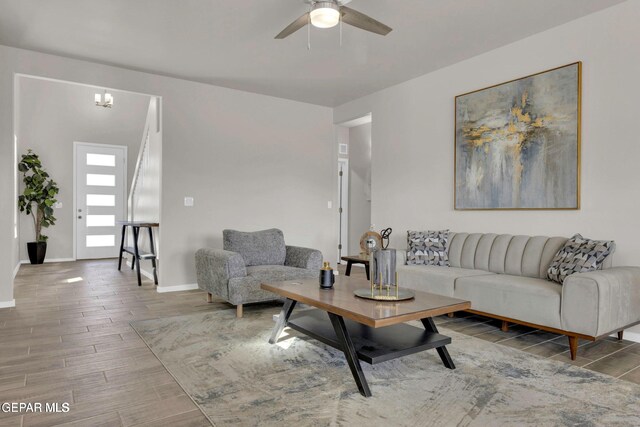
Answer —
107 102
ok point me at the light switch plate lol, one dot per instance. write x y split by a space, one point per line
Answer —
329 204
188 201
57 205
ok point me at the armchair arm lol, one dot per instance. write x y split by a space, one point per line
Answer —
311 259
600 302
214 268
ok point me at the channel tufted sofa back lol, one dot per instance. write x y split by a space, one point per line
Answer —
527 256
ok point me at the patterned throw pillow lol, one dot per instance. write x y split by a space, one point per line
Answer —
428 247
579 255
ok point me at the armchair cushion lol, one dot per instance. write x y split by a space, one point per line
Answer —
247 289
264 247
310 259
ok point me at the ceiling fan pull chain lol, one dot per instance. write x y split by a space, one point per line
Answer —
309 28
340 29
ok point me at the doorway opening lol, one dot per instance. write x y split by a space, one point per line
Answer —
354 184
102 146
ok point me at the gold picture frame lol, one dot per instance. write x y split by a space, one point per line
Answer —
523 119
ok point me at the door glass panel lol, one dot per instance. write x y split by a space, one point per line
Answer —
101 160
101 220
101 200
101 180
94 241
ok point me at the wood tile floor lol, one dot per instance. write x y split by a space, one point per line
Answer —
69 340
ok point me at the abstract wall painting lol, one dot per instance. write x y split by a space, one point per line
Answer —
517 144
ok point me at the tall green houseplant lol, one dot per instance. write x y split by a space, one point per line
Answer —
37 200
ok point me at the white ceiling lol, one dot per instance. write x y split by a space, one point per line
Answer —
230 42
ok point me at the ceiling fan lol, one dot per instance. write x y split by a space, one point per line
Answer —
327 14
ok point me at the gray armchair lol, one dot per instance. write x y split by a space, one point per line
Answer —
249 259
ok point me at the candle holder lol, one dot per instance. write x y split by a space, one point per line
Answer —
384 284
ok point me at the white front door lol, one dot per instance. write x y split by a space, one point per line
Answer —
100 176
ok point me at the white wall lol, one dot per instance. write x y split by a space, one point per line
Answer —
359 185
413 136
52 116
250 161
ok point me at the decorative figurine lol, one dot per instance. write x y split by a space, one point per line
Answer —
385 233
327 278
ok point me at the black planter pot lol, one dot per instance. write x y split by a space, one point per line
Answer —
37 252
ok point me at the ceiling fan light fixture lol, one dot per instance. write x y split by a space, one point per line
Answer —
325 14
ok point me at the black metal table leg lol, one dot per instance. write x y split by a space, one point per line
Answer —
124 231
348 272
285 313
430 326
350 353
153 252
136 256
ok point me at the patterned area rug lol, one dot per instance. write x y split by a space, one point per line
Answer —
237 378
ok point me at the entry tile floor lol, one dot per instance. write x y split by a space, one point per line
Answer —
69 340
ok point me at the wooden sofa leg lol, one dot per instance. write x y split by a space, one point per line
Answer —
620 335
209 297
451 314
239 311
573 347
505 326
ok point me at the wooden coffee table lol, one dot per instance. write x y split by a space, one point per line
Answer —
371 331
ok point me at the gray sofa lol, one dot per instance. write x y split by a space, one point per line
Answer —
248 259
504 277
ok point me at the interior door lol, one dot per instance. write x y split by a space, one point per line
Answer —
343 208
100 174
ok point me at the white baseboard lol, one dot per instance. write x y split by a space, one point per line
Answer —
48 260
144 272
15 270
7 304
177 288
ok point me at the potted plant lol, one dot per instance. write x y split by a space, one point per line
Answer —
37 200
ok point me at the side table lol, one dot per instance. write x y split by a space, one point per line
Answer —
355 259
135 251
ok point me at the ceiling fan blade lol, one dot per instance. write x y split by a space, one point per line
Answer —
362 21
294 26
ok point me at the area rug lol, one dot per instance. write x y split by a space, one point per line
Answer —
236 377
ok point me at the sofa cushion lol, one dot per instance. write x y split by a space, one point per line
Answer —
428 248
247 289
434 279
579 255
264 247
524 298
